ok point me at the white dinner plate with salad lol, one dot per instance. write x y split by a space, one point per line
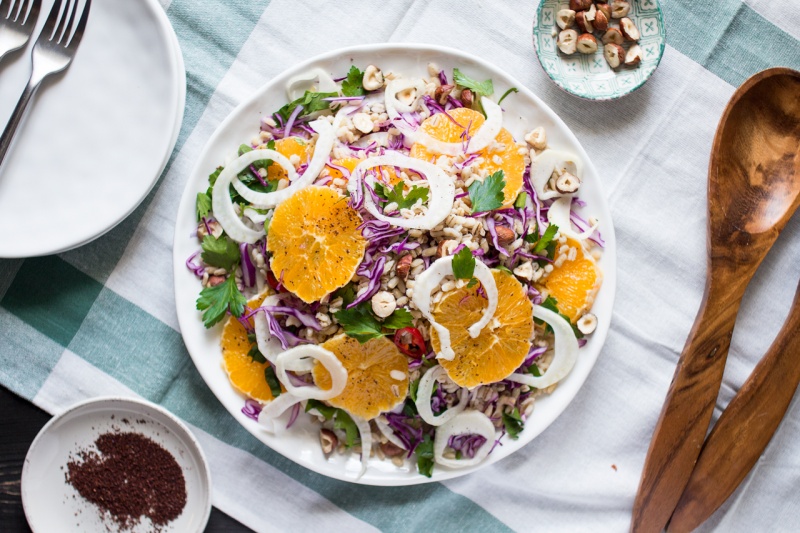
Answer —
96 138
461 435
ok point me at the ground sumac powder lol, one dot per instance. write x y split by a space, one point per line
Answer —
128 477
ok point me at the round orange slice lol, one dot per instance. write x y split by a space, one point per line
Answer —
575 283
246 375
500 347
315 242
377 375
289 146
507 158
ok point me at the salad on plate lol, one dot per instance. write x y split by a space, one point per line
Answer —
384 257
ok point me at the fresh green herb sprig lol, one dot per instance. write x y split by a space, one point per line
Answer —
396 194
311 102
361 323
487 195
220 252
215 302
424 453
352 84
479 88
513 423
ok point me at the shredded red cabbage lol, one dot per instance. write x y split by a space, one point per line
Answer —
288 129
372 269
198 270
248 268
534 353
408 434
442 77
251 409
400 247
466 443
293 417
491 226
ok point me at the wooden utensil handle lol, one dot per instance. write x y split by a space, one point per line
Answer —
684 419
744 429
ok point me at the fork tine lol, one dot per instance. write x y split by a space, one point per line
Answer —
50 23
33 14
78 34
62 31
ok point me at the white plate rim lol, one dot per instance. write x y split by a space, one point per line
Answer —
178 427
197 181
178 67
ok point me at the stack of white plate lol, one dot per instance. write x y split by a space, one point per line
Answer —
97 137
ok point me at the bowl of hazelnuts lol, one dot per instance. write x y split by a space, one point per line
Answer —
599 50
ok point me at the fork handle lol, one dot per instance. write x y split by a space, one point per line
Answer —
16 118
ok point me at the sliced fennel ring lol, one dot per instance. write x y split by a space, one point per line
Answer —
365 433
547 162
566 351
431 278
468 422
301 359
424 393
442 191
559 214
269 346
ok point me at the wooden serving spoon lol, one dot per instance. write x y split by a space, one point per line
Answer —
753 189
745 428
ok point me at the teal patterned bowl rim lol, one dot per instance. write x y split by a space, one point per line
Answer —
589 76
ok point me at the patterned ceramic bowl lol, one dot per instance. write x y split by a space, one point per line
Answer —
589 75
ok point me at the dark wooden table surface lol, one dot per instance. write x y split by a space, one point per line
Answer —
20 421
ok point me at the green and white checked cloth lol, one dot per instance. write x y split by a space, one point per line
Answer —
101 319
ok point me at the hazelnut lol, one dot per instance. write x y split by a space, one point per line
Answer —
605 9
565 18
579 5
444 248
442 92
600 21
467 98
614 54
634 55
537 139
391 450
629 29
328 441
213 281
590 13
587 323
568 41
613 36
505 236
403 267
583 23
383 304
620 9
567 183
373 78
587 44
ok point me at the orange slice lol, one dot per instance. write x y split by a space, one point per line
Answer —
350 163
315 242
508 159
575 283
373 369
289 146
246 375
501 346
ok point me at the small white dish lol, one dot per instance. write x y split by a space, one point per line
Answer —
523 111
51 504
95 138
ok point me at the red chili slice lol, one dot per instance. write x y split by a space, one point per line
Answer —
410 342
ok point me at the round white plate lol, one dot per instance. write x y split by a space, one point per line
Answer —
522 112
51 504
96 138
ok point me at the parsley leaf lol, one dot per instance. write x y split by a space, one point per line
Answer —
425 456
480 88
272 381
216 301
534 369
325 410
399 319
522 199
202 205
359 322
221 253
351 85
311 102
511 90
463 264
513 423
344 422
212 178
472 283
552 304
413 388
256 355
505 269
546 239
487 195
347 294
396 194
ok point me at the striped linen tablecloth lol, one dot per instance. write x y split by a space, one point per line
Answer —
101 319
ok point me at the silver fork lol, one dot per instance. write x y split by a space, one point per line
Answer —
53 52
17 20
